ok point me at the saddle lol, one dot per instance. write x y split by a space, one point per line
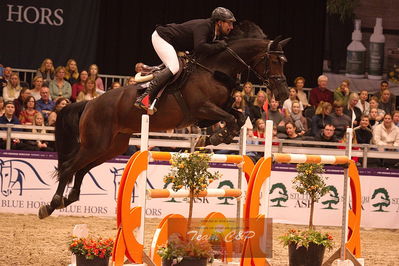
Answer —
186 67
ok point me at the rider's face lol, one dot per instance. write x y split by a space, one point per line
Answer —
225 27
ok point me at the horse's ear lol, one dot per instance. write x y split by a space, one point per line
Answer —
275 43
284 42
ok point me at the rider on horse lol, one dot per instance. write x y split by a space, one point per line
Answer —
203 36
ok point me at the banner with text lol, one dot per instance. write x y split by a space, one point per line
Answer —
26 183
59 30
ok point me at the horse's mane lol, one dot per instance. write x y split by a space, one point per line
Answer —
246 29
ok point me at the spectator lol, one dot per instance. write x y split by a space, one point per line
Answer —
13 88
37 85
327 135
291 131
80 85
274 113
385 103
374 103
89 92
351 109
363 104
341 94
373 118
248 94
46 71
256 110
71 71
340 121
26 117
45 105
10 118
19 103
5 78
59 87
363 133
321 118
239 103
299 85
386 133
130 81
293 96
40 145
296 118
93 73
60 103
259 131
251 139
395 118
321 93
114 85
384 85
2 107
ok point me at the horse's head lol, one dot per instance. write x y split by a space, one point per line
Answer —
264 57
270 68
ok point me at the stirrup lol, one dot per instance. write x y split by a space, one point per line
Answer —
152 108
140 105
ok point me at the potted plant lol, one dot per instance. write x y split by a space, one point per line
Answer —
307 247
189 171
183 251
91 251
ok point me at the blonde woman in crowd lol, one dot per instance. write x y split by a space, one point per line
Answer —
71 71
322 118
248 94
93 73
293 96
239 103
299 83
351 108
13 88
59 87
130 81
256 110
89 92
37 85
60 103
46 71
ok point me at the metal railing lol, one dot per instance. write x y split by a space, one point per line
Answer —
27 75
187 141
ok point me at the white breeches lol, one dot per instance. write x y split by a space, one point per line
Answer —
166 52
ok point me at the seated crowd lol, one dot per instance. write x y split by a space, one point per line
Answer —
323 116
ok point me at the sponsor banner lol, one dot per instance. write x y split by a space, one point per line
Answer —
38 29
27 183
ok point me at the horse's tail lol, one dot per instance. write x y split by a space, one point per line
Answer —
67 137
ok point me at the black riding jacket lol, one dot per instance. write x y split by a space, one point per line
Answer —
194 36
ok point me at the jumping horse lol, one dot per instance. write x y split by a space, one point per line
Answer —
92 132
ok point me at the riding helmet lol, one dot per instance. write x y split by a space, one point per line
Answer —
221 13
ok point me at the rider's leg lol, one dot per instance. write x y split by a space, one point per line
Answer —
168 56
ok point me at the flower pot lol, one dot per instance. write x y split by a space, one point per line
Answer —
97 261
187 261
302 256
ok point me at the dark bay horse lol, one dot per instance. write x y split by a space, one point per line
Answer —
90 133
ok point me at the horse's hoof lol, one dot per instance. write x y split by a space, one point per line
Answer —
44 211
62 205
200 142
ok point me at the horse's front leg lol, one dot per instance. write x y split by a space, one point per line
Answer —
210 111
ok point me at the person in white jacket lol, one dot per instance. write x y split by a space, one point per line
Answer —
386 133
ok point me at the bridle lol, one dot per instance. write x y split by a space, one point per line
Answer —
263 77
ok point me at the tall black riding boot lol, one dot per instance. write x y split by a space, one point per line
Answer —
160 79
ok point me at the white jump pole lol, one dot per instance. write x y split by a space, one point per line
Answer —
141 187
345 207
264 204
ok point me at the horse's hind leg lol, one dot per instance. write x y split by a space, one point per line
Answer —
56 202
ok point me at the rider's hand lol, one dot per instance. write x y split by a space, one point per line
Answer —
221 44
